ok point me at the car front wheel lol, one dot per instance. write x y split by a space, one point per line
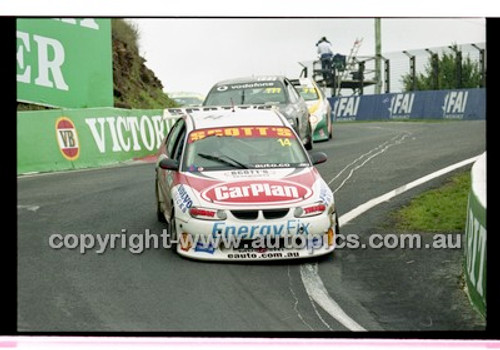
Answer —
172 228
330 128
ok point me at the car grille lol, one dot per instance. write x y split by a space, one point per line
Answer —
275 213
254 214
245 214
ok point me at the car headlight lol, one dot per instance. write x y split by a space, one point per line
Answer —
207 214
309 210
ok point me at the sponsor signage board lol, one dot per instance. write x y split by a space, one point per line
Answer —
65 62
80 138
462 104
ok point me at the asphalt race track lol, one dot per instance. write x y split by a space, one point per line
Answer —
157 290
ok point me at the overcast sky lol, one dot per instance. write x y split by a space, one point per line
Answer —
193 54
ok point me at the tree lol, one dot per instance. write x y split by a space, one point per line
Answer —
453 72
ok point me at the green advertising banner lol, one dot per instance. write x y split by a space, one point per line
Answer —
65 62
476 237
66 139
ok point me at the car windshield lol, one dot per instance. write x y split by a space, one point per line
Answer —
243 147
269 92
308 93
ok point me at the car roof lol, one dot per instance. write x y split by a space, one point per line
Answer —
258 78
209 117
177 94
309 82
240 117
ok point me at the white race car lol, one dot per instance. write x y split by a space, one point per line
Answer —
237 184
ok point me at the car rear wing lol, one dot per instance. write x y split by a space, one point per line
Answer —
175 113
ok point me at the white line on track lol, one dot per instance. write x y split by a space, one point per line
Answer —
123 164
32 208
396 140
391 194
317 293
296 300
309 272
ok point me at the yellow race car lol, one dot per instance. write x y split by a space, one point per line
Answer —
320 109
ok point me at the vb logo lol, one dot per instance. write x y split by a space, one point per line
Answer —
67 138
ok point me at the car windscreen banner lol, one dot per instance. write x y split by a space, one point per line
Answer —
64 62
242 132
252 85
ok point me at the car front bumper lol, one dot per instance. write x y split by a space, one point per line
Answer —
289 238
320 128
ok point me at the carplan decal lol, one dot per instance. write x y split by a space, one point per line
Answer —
256 192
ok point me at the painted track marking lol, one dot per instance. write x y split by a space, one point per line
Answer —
317 293
309 272
396 140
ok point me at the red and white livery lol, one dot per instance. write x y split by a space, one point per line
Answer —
237 184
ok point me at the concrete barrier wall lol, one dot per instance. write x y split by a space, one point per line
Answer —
475 237
463 104
65 139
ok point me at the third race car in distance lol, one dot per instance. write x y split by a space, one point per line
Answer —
237 184
265 90
187 99
320 109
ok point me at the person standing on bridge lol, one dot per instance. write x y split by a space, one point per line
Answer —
325 53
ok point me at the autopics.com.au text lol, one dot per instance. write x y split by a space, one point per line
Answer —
137 243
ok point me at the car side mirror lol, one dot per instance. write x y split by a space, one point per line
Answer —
318 158
169 164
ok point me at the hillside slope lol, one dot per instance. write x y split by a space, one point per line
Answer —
134 84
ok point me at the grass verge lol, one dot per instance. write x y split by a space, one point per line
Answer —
438 210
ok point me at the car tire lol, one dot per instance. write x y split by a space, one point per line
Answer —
171 227
337 227
172 230
159 213
330 127
309 144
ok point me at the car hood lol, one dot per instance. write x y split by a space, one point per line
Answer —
316 106
255 187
